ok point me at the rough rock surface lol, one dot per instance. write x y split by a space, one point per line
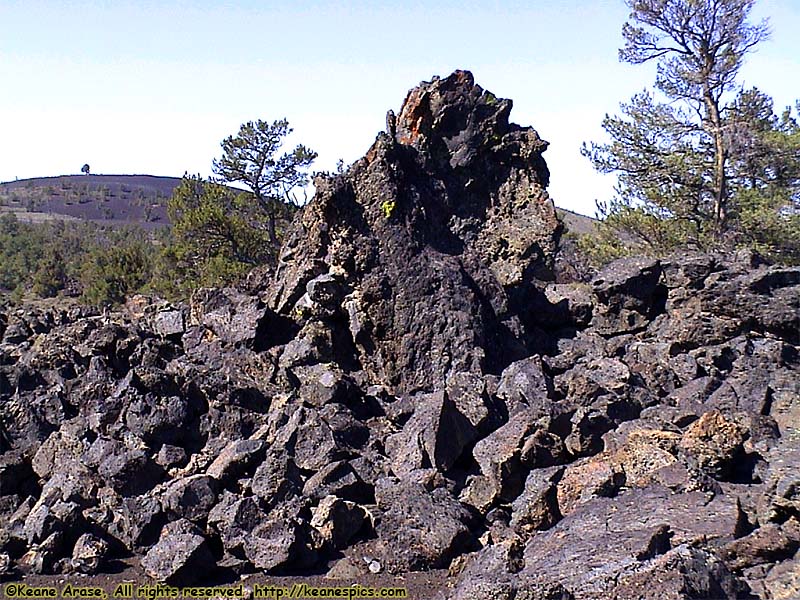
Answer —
409 386
420 254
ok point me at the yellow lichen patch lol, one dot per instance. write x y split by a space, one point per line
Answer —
388 206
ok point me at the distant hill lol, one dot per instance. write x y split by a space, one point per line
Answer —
109 199
576 223
129 200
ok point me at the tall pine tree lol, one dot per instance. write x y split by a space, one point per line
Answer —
698 164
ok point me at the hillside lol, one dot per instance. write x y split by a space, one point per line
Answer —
109 199
129 199
577 223
72 229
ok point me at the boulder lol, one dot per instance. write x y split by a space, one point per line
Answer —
276 479
279 541
468 392
714 444
338 521
418 529
140 521
234 518
130 471
436 435
190 498
315 444
490 574
88 554
770 543
564 305
632 530
781 495
236 459
234 317
159 419
44 558
170 456
586 479
783 581
322 384
168 322
681 573
589 425
647 451
337 479
499 456
598 377
181 556
627 295
41 523
536 508
523 385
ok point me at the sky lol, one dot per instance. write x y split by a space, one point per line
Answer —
154 87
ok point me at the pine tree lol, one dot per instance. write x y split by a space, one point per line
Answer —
217 236
110 274
251 157
694 162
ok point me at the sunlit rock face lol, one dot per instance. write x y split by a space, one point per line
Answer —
429 242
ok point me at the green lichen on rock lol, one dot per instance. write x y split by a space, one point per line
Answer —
388 206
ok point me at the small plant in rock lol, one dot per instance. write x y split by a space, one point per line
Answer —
388 206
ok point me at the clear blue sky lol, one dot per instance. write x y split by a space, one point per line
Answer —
153 87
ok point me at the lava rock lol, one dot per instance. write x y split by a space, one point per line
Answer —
276 479
632 530
436 435
768 544
523 385
279 542
236 459
587 479
425 295
338 479
169 322
537 507
468 392
234 317
499 456
130 471
338 521
88 554
181 557
627 297
234 518
140 522
43 558
418 529
683 572
714 443
406 378
191 497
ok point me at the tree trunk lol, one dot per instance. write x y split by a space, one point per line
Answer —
721 182
273 236
720 160
271 225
